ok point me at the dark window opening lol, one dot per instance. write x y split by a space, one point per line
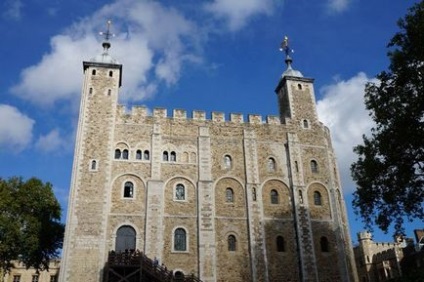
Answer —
232 243
173 156
317 198
314 166
180 243
179 276
117 154
165 156
125 154
280 244
146 155
274 197
229 195
128 190
325 248
138 155
93 165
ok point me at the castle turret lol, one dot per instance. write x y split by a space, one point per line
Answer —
318 206
295 93
85 239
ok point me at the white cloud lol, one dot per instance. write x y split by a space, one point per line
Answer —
15 129
237 13
338 6
52 142
13 9
153 42
342 109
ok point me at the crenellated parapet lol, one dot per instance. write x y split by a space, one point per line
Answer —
140 112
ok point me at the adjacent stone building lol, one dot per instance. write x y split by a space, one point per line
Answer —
228 198
401 260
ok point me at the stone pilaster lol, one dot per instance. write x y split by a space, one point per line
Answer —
207 245
256 228
154 203
307 263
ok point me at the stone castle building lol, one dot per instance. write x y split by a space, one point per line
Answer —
401 260
224 199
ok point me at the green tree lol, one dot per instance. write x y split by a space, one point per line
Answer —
30 228
389 170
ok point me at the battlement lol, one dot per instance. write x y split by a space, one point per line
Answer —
139 112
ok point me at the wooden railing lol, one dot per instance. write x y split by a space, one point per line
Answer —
143 267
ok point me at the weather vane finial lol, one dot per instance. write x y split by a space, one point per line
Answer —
107 34
284 47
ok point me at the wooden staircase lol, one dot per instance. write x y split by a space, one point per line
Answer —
135 266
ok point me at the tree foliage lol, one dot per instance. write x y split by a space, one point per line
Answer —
30 228
390 166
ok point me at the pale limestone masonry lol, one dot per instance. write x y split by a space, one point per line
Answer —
271 184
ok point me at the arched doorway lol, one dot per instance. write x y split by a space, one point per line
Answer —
125 239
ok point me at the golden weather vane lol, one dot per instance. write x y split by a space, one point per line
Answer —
284 47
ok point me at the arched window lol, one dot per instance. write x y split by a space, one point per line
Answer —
146 155
314 166
305 123
227 162
271 165
117 154
90 91
173 156
178 276
280 244
93 72
300 197
110 73
232 243
296 166
317 198
93 165
254 193
180 192
274 197
180 240
138 155
128 190
165 156
109 92
125 239
229 195
125 154
325 248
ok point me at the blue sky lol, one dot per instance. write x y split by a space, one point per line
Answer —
216 55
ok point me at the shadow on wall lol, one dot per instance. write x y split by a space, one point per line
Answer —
283 259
